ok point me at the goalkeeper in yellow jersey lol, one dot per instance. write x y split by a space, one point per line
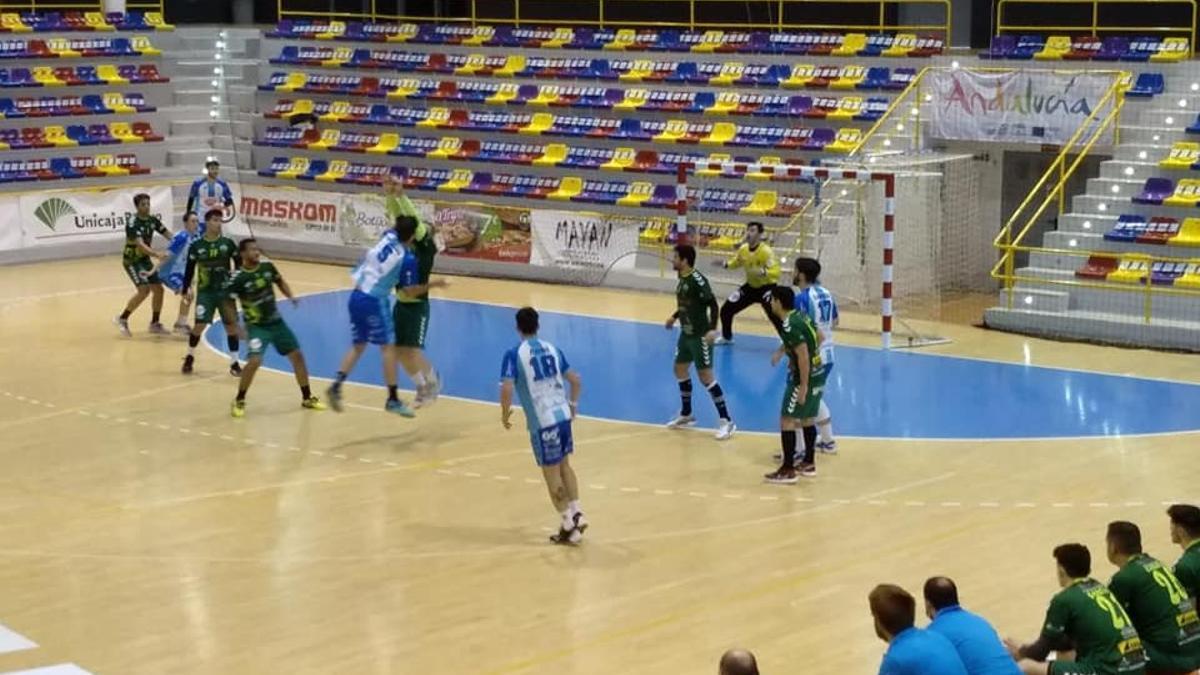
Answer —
762 273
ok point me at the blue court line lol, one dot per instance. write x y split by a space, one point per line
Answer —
627 374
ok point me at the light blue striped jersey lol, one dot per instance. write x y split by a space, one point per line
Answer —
206 195
384 266
536 369
819 305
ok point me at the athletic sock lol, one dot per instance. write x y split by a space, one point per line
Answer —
825 423
573 507
231 341
418 379
393 394
568 520
306 392
787 441
155 317
241 394
125 315
685 395
718 398
193 340
810 444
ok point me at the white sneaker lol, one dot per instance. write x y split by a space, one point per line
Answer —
828 447
725 431
158 329
123 326
182 329
722 342
434 388
581 522
681 421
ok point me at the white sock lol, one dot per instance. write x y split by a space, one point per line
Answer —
430 376
825 422
568 520
573 507
419 379
191 351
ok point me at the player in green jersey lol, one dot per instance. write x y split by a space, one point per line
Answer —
210 260
1162 612
138 259
1084 617
253 285
806 382
410 314
1185 531
696 311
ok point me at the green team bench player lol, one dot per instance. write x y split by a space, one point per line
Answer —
210 259
411 313
254 286
137 258
1185 531
1087 618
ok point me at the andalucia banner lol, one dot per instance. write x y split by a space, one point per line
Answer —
1021 106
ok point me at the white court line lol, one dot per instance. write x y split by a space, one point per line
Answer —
61 294
60 669
11 641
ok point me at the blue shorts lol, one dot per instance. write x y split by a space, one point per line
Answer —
370 319
551 445
826 369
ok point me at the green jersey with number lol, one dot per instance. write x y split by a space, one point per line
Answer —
1088 615
213 259
422 246
1187 570
693 297
798 329
140 229
1161 610
255 288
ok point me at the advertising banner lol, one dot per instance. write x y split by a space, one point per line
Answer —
10 224
572 240
298 215
1025 106
66 217
496 233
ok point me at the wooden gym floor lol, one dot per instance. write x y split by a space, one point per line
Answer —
144 531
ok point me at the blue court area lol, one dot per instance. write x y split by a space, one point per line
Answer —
627 372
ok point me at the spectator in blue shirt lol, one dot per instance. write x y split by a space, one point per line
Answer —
911 651
973 637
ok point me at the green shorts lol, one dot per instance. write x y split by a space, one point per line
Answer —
1074 668
693 349
210 303
141 272
412 320
276 333
794 408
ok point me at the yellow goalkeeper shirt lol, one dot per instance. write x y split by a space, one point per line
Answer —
760 263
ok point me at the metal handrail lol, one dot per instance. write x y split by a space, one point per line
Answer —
1095 27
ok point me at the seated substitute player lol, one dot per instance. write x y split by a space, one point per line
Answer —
254 285
1162 612
171 269
696 312
1084 617
548 390
813 300
762 273
209 191
1185 531
386 265
209 261
137 261
911 650
802 396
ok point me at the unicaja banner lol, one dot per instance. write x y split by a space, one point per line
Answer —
1023 106
52 218
568 239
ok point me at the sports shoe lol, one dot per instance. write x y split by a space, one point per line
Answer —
581 522
312 403
807 470
681 421
428 393
421 399
123 326
827 447
235 369
722 341
566 538
725 431
785 475
334 394
182 329
238 409
188 362
398 407
157 328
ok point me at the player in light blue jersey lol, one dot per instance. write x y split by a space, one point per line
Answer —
814 300
171 268
209 192
548 391
389 264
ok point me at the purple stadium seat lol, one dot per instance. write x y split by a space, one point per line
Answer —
1112 49
1002 48
820 138
1155 191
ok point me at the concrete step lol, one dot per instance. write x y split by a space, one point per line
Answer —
1142 152
1150 135
194 157
1129 170
1097 327
1117 189
1086 223
1036 300
244 70
1169 118
236 98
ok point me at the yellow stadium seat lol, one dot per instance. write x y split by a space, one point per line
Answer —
710 41
725 241
116 102
155 19
57 136
552 155
45 75
338 168
1055 48
1188 235
638 193
714 158
1187 193
446 147
5 146
802 74
847 108
1190 278
726 102
568 187
1183 154
329 138
673 131
547 94
62 47
435 118
849 78
142 45
472 65
302 106
561 36
846 141
770 160
336 30
762 203
653 234
634 99
731 71
404 88
12 23
902 45
1171 49
504 94
624 38
538 124
622 158
459 179
337 111
480 35
637 70
514 64
722 133
340 55
95 21
109 74
122 132
1130 270
387 143
292 82
851 45
107 164
407 32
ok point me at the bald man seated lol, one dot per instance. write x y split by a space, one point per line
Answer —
738 662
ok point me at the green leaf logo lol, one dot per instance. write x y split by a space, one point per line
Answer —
52 209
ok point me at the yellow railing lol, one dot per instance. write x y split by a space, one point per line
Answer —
1098 25
673 14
